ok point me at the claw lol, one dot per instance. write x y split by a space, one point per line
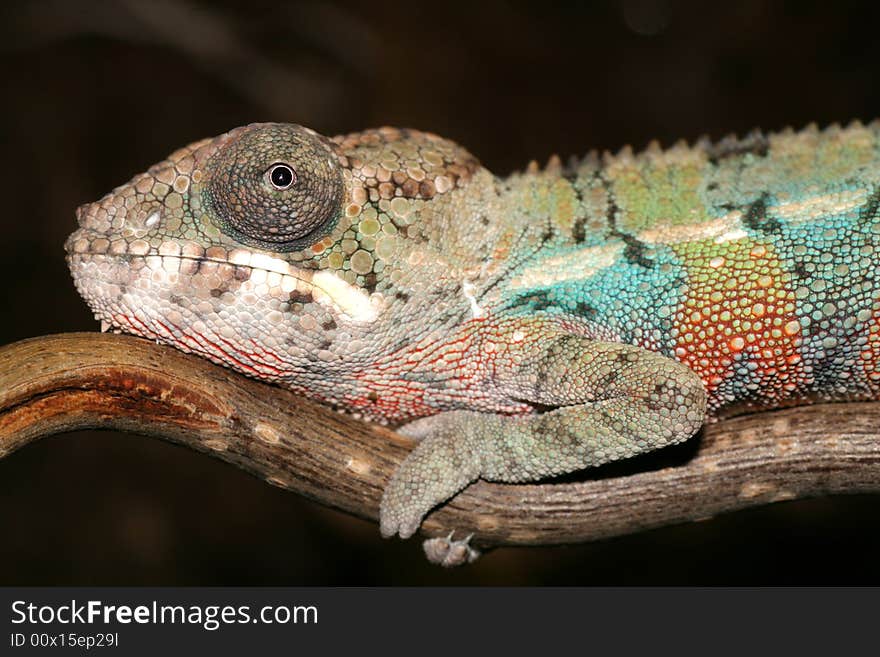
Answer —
449 553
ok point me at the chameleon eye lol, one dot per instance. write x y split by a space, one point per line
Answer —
281 176
274 186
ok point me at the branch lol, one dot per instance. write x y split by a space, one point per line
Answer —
67 382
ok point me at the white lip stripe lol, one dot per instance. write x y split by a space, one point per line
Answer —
327 288
347 298
269 263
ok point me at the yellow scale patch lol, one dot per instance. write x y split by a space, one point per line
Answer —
739 300
553 197
658 188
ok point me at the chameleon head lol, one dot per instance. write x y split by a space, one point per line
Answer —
270 248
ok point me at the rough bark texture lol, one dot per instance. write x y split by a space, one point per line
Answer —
66 382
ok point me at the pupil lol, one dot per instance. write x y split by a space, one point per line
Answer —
281 176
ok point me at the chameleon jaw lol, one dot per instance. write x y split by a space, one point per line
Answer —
336 295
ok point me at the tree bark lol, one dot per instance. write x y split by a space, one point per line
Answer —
77 381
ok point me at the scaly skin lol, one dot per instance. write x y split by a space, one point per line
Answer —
523 326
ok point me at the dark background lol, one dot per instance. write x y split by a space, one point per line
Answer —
94 92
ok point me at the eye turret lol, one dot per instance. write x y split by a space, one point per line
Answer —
274 186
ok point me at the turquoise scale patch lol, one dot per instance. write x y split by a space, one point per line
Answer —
625 300
833 263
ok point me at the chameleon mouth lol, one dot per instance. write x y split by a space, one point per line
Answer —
265 274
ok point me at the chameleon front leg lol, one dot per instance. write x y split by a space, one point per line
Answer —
595 402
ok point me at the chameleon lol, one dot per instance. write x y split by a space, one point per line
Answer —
520 326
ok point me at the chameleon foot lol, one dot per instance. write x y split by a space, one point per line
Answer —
439 467
449 553
597 402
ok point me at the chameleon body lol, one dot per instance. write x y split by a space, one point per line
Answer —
520 326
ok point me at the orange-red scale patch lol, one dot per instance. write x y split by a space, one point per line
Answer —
870 355
739 308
